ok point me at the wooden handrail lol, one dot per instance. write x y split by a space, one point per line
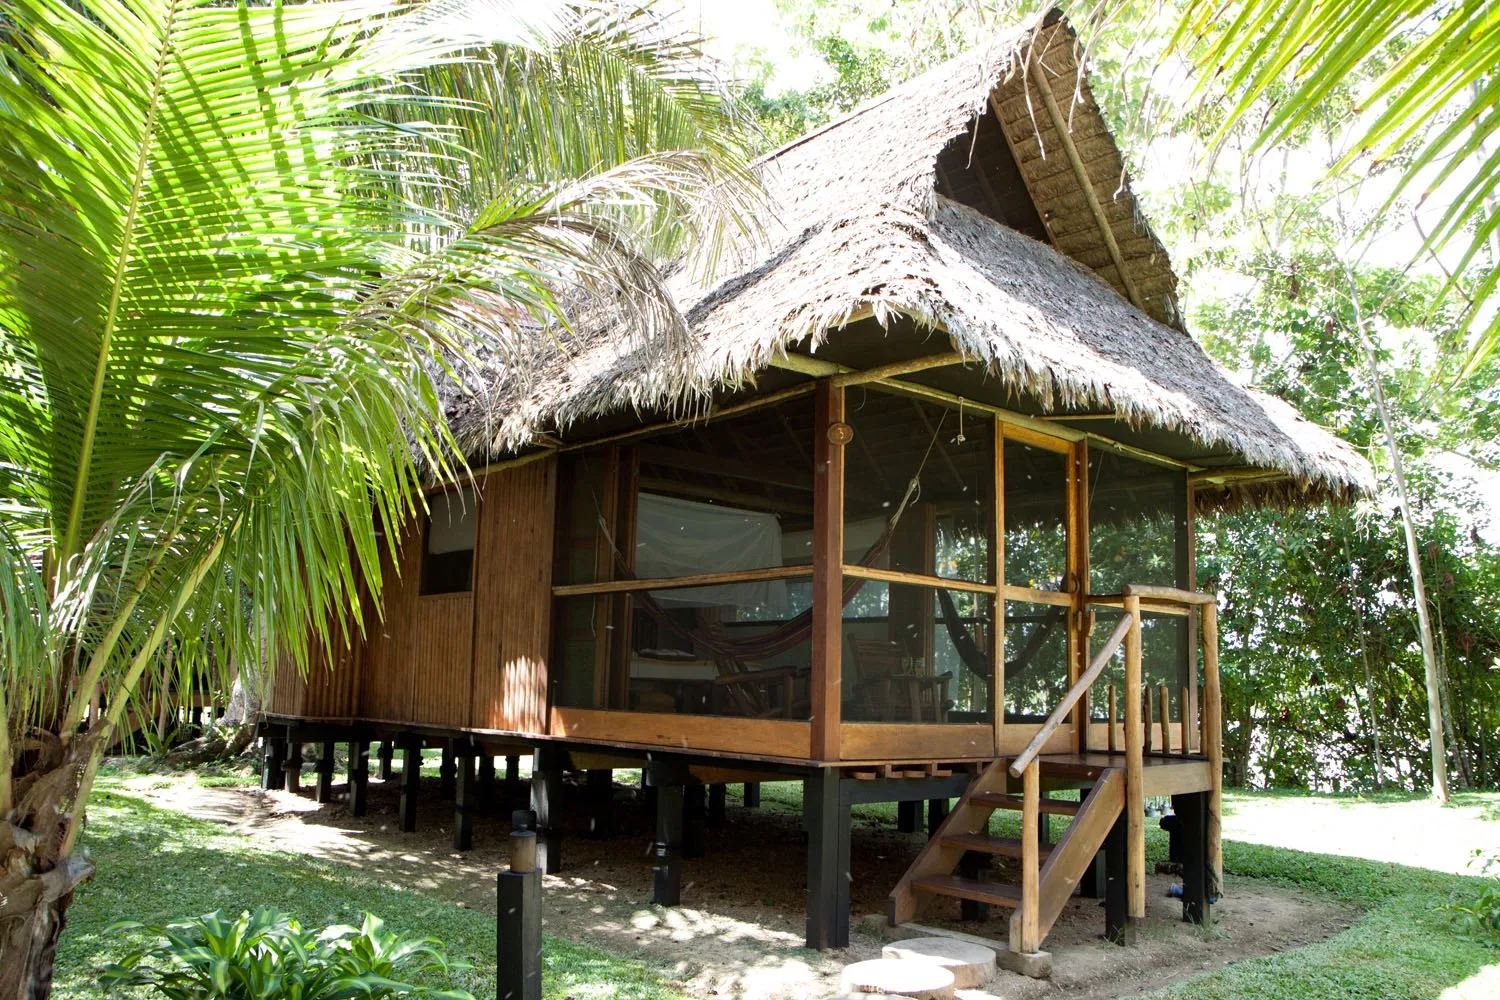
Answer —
1149 593
1018 766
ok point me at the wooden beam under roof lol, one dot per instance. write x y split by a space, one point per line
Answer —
730 468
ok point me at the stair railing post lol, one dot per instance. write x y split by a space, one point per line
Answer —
1025 938
1135 799
1213 731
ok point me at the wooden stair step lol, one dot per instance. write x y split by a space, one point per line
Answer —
995 800
966 888
1005 846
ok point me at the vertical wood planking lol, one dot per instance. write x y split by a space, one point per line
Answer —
828 575
1135 798
389 661
443 661
512 598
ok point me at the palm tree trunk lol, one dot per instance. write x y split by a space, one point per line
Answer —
1418 582
38 869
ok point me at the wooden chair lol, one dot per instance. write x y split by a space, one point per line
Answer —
888 691
761 693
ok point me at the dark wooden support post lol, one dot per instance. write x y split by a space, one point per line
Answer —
1119 926
447 772
752 795
359 777
937 811
666 779
694 819
273 764
291 768
465 797
411 783
1093 883
717 805
323 789
826 817
518 941
971 866
546 801
1044 823
906 815
387 759
512 779
487 784
1192 822
601 797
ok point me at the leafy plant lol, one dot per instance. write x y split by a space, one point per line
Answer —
1479 916
268 955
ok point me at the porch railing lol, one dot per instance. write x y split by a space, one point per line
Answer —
1026 765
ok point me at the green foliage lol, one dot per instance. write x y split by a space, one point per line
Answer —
268 955
1478 915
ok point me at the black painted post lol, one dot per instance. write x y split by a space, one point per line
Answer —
447 772
666 779
1119 927
272 772
717 805
487 783
826 817
971 865
518 944
1044 822
937 811
512 779
464 795
291 768
387 760
752 795
359 777
694 817
906 816
1092 884
323 789
601 802
411 783
546 801
1192 821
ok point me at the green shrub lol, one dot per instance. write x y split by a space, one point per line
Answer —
1479 916
267 955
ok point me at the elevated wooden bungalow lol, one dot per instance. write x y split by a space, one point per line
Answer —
910 520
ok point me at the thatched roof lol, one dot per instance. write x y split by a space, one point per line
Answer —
872 222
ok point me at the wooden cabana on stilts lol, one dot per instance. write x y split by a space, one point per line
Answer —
910 521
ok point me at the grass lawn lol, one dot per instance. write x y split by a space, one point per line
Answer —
156 865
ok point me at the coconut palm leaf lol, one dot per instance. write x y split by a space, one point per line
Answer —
1431 108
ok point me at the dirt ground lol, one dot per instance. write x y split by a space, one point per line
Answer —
739 930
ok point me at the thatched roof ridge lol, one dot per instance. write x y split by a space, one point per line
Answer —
862 230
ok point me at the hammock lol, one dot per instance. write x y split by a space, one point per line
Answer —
976 659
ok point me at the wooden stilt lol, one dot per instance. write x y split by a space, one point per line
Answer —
291 768
1213 725
1025 933
359 777
937 811
447 772
465 798
752 795
1192 819
323 787
667 778
411 784
694 819
273 764
1135 797
601 803
717 805
906 815
512 779
546 801
1119 926
827 820
387 760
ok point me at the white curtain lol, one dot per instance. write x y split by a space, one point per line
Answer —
676 537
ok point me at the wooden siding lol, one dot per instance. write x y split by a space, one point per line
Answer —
441 661
390 667
513 598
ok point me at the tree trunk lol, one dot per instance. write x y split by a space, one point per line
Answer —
1364 655
38 869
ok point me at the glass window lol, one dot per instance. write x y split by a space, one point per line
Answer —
916 654
448 549
1036 660
742 649
1036 516
930 469
1137 523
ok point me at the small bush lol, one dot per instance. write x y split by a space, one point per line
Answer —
267 955
1479 916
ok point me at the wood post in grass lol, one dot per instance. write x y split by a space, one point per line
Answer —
518 944
465 797
359 777
323 788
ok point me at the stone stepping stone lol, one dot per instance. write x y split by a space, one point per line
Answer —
971 964
894 977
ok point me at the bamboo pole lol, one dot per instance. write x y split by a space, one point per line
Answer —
1029 942
1135 798
1112 714
1164 706
1150 743
1187 728
1213 725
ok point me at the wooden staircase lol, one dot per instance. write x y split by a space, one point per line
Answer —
1049 873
